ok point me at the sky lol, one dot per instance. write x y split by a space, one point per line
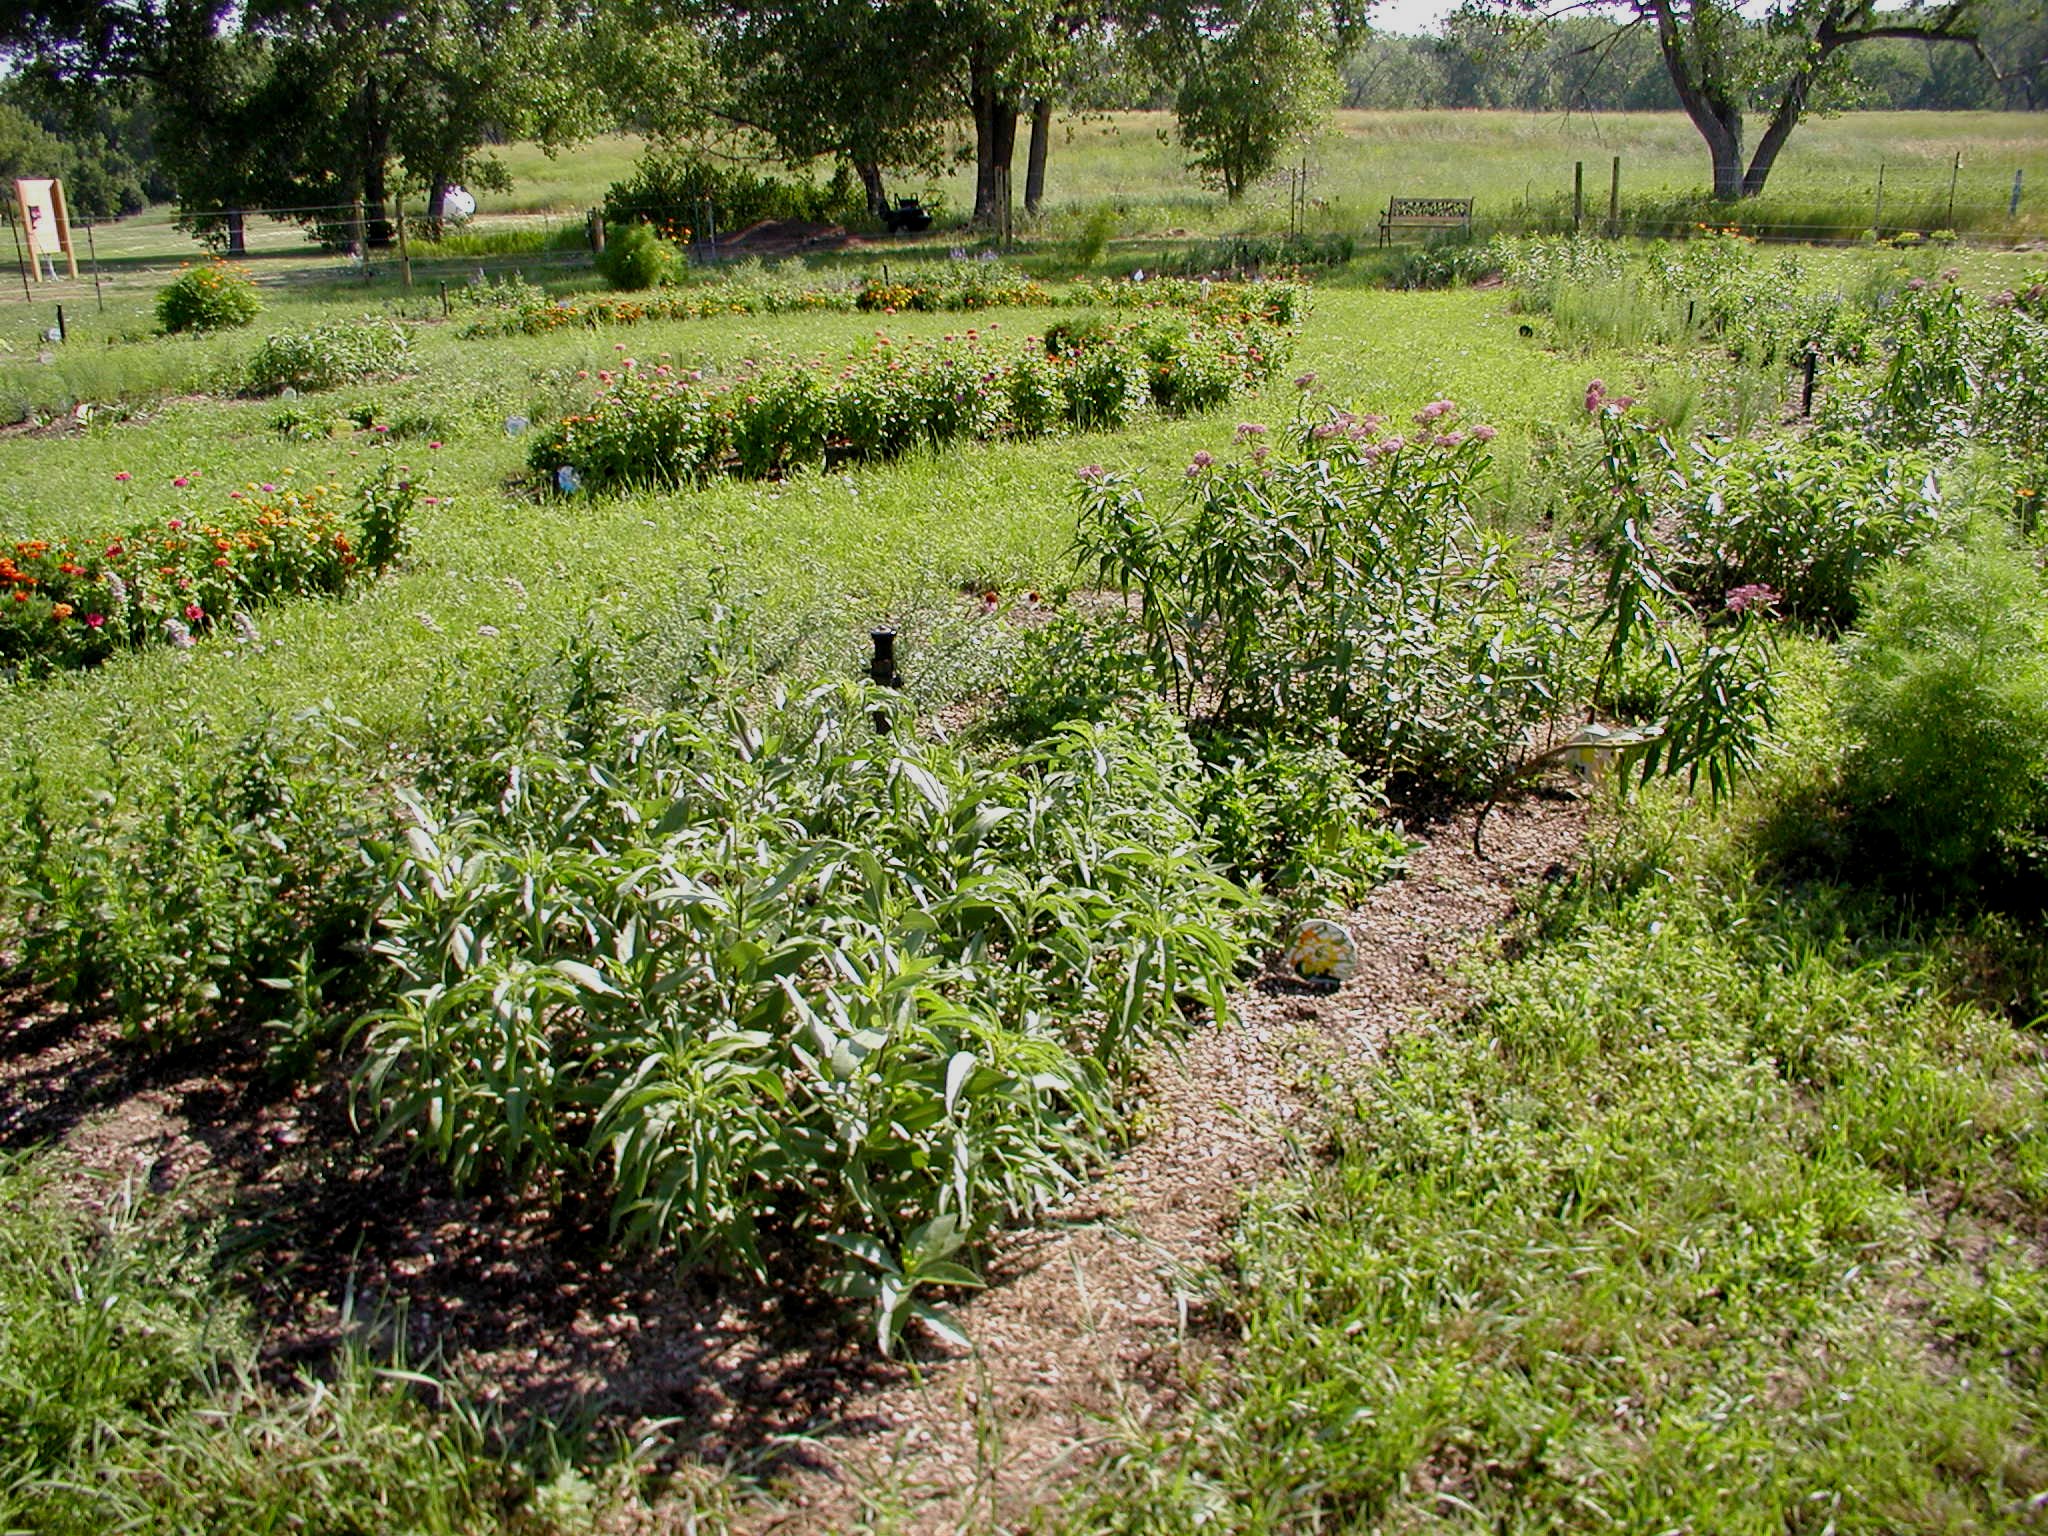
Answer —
1410 15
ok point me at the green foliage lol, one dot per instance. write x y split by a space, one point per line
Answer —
1945 688
133 1398
1674 1158
635 257
1809 518
198 887
216 297
514 307
1358 587
772 979
648 427
1260 253
1097 230
668 191
1073 668
1255 83
955 286
1296 822
1956 366
328 356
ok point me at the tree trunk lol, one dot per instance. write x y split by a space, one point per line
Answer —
238 234
437 206
995 137
871 183
1791 107
376 160
1714 110
1034 160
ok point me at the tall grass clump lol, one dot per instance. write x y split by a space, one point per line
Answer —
132 1398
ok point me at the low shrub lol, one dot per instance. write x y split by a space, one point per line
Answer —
203 884
1358 594
328 356
670 191
1809 518
964 285
216 297
1295 821
635 257
800 991
514 307
1945 691
74 603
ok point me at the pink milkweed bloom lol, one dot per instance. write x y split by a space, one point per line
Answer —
1753 595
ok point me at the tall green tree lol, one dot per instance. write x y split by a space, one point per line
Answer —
1726 65
868 83
1256 79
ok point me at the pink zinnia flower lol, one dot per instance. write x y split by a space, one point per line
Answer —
122 474
194 612
181 481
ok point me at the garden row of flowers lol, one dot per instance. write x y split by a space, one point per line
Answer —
167 581
518 308
652 427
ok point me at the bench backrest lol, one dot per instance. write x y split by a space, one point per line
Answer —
1429 208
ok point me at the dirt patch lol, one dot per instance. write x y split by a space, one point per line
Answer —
773 239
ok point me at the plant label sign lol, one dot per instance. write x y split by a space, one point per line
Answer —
39 203
1322 952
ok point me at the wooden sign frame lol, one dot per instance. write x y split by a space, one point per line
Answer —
45 222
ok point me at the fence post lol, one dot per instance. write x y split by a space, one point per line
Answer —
1578 194
94 252
1954 171
20 257
1614 203
596 222
1877 221
404 250
63 334
359 235
2013 212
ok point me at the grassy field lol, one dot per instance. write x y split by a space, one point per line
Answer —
1517 165
1506 160
1717 1209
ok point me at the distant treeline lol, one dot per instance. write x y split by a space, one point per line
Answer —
1590 64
